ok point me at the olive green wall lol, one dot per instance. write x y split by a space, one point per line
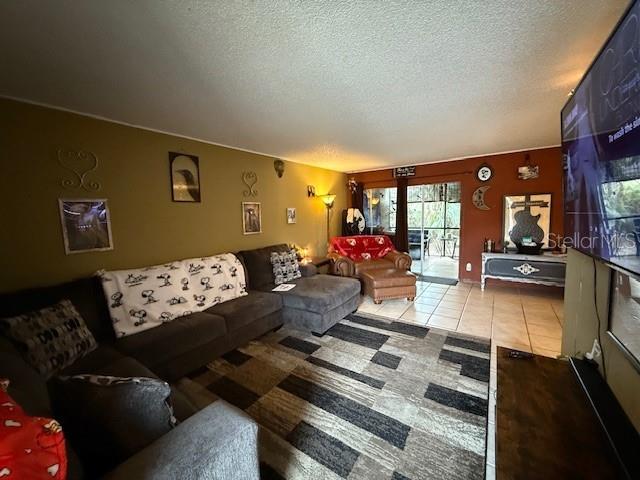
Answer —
133 169
581 328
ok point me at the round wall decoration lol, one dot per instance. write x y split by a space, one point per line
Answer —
484 173
478 198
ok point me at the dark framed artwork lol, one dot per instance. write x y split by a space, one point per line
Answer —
185 177
527 215
86 225
291 215
251 218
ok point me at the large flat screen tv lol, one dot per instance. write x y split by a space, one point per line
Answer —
601 148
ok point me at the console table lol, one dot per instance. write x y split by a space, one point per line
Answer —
546 269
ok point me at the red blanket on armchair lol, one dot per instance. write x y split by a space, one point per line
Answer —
361 247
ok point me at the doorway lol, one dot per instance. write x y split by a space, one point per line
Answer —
433 212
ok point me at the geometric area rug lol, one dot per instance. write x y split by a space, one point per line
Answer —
371 399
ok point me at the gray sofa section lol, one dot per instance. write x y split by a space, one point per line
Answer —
316 303
217 443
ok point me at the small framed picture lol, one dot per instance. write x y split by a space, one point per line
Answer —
291 215
86 225
185 177
251 218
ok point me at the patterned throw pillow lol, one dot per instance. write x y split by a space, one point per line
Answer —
108 419
285 266
52 338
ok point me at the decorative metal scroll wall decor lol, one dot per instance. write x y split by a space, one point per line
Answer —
250 179
80 163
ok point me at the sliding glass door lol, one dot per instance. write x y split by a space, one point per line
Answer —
434 228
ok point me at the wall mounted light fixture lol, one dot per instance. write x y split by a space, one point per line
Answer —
278 166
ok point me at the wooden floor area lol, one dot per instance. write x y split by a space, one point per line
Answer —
545 427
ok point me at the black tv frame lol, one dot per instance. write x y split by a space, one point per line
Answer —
635 361
586 72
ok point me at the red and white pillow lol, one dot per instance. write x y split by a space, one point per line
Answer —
30 447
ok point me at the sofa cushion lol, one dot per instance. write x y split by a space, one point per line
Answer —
145 298
111 418
93 362
27 387
86 295
244 310
257 263
161 344
320 293
51 338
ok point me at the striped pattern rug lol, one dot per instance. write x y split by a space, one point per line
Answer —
371 399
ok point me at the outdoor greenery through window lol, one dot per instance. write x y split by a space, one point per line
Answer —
434 218
380 209
620 197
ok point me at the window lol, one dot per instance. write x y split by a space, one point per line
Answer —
380 209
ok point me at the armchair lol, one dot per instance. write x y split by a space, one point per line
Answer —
351 256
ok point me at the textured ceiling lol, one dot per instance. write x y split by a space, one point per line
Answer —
348 85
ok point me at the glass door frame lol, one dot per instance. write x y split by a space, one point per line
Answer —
443 194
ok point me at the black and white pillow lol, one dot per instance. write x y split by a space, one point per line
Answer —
285 266
51 339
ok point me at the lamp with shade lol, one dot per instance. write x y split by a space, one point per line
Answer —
328 200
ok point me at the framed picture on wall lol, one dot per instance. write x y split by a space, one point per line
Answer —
185 177
527 216
86 225
291 215
251 218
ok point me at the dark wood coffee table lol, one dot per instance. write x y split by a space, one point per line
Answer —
545 427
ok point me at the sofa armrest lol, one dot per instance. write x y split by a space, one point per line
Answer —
308 270
401 260
343 266
218 442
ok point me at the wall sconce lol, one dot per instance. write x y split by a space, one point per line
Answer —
278 166
328 200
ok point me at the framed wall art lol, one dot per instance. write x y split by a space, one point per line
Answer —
527 216
291 216
185 177
86 225
251 218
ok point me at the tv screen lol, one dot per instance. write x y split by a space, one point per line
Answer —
601 148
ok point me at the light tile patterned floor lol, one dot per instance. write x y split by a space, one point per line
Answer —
528 319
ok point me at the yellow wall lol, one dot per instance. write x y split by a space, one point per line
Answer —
581 328
133 169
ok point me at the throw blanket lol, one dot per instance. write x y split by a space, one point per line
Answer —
144 298
361 247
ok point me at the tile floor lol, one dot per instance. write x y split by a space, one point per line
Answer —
436 266
527 319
